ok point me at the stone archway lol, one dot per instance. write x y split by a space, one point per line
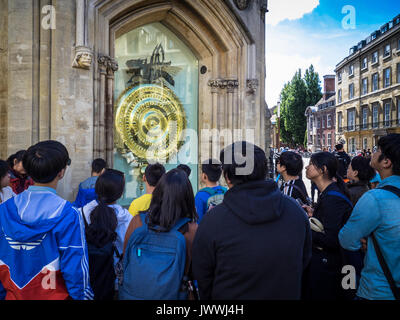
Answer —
227 91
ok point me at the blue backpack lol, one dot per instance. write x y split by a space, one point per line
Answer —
154 264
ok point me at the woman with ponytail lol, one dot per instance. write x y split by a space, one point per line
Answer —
106 224
19 180
322 279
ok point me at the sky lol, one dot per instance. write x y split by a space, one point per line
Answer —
319 32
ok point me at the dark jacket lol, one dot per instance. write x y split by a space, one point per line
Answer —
323 275
357 189
255 245
343 163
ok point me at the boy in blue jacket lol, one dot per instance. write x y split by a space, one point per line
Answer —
378 212
43 253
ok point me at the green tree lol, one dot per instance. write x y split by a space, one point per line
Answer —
296 96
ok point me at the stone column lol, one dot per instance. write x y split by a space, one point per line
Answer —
83 54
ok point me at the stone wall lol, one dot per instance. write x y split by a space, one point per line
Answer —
3 77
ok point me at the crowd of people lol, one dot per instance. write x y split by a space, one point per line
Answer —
249 239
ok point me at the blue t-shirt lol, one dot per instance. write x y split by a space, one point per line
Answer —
201 201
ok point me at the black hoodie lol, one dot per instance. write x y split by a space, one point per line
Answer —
255 245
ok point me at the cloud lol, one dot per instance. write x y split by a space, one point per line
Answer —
280 10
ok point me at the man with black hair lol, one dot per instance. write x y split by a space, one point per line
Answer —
43 252
256 244
289 166
86 193
376 216
213 194
343 161
152 175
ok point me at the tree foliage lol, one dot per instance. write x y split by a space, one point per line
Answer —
296 96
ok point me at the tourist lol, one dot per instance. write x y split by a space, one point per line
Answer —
107 223
158 244
152 175
256 244
376 216
86 192
185 168
343 161
290 166
19 180
42 244
213 194
359 173
5 190
322 280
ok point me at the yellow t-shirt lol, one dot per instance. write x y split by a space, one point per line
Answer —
140 204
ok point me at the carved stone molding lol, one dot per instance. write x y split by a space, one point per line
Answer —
229 84
251 85
107 65
83 58
242 4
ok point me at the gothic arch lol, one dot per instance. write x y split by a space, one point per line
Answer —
214 35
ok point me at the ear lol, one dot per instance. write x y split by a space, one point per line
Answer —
387 163
61 174
355 173
102 171
144 178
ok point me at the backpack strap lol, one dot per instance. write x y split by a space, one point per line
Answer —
181 222
210 191
84 219
385 268
340 195
391 189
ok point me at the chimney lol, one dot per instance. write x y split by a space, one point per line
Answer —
329 86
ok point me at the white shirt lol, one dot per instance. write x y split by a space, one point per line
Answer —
6 193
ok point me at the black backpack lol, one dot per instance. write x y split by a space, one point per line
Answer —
343 164
101 265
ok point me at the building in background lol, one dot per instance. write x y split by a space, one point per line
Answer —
368 89
321 119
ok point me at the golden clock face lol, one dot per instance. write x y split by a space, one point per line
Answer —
150 120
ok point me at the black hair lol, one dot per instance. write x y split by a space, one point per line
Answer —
172 200
292 161
153 173
328 163
19 156
390 148
244 162
98 165
4 169
212 168
103 220
45 160
365 171
185 168
339 146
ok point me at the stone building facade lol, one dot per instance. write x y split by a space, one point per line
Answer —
321 119
64 67
368 89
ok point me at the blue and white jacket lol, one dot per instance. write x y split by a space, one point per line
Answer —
377 211
43 251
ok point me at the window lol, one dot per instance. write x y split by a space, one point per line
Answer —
386 75
398 110
340 120
386 51
318 123
323 122
351 119
323 140
319 140
398 44
364 117
398 73
352 145
339 95
329 139
387 114
365 143
329 121
375 57
311 123
339 76
375 82
351 70
311 139
351 90
364 63
375 116
365 86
